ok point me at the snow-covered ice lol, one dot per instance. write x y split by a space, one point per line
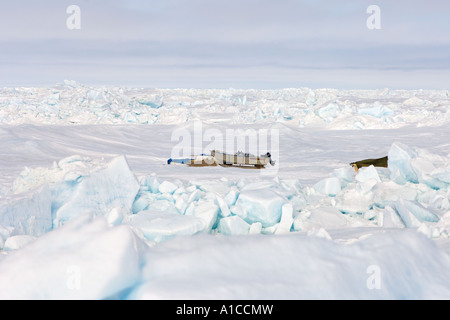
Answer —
89 207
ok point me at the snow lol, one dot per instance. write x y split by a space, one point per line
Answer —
85 259
27 213
16 242
157 226
330 186
90 209
100 192
330 271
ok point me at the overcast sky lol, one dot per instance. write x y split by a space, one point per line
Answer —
228 43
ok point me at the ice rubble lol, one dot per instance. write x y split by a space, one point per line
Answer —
413 193
81 214
71 220
69 263
74 103
87 259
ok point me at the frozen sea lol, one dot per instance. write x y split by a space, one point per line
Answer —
90 209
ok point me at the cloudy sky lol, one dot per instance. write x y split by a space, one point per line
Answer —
258 44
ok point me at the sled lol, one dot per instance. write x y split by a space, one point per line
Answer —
242 159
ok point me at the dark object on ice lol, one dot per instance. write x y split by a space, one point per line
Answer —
380 162
182 161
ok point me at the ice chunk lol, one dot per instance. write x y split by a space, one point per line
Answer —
413 213
390 218
255 228
219 187
366 186
224 209
238 211
399 163
429 231
291 187
70 170
344 174
166 205
444 175
232 196
329 112
407 217
444 223
320 233
261 206
152 183
152 104
352 200
195 195
385 193
181 203
17 242
378 110
440 202
141 202
111 186
27 213
4 234
418 165
426 170
326 217
71 84
84 259
94 95
160 226
115 216
206 210
287 219
299 202
329 186
233 225
367 173
167 187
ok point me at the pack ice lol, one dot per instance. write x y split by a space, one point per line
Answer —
97 228
115 219
71 103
